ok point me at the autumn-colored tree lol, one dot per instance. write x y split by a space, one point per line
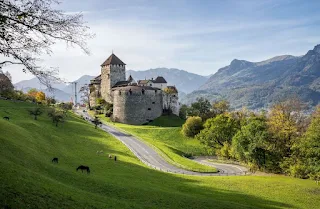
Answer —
32 93
219 107
284 125
40 96
167 98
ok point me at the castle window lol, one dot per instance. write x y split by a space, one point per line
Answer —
119 92
153 102
174 95
150 84
155 91
130 91
142 91
149 108
108 75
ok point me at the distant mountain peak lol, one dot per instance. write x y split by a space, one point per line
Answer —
317 49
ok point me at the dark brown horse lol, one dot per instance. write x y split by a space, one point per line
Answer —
55 160
83 167
6 118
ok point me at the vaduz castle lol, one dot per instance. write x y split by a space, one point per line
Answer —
133 102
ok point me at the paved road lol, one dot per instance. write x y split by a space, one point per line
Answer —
151 158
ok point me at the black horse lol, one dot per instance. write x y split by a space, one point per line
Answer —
55 160
83 167
6 118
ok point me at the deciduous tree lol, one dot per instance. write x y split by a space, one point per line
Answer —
192 126
28 28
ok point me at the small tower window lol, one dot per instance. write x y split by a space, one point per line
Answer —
142 91
149 108
150 84
153 102
119 92
108 75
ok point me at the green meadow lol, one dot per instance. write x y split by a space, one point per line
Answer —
30 180
164 135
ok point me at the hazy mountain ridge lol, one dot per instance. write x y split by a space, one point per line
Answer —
183 80
258 84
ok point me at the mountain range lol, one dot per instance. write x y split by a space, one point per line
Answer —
259 84
243 83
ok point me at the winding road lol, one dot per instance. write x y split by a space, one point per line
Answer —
150 157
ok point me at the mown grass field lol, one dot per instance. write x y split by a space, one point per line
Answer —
30 180
164 134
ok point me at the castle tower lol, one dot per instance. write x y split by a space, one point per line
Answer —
113 70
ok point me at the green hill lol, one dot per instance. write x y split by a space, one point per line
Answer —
30 180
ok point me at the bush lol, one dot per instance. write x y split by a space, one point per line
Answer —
192 126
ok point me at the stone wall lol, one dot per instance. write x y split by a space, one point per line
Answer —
136 107
110 75
95 94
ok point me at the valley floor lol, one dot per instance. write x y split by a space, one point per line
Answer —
30 180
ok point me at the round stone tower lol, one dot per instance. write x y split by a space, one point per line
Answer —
113 70
136 104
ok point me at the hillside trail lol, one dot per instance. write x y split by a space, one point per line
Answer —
150 157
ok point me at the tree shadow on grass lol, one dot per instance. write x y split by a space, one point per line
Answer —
130 186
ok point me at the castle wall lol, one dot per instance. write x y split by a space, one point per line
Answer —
136 108
110 75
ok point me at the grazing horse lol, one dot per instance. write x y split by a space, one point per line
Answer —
55 160
6 118
83 167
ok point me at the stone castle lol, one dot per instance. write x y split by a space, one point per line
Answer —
133 102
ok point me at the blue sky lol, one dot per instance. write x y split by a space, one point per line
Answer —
199 36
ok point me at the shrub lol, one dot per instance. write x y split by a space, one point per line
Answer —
192 126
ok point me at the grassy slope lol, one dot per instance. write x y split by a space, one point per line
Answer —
168 140
30 180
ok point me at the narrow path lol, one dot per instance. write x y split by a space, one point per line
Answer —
151 158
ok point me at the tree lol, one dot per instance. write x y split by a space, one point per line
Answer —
5 83
251 143
32 93
192 126
96 122
168 99
35 112
40 96
220 107
305 159
85 94
56 116
201 106
284 124
183 111
218 131
28 28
